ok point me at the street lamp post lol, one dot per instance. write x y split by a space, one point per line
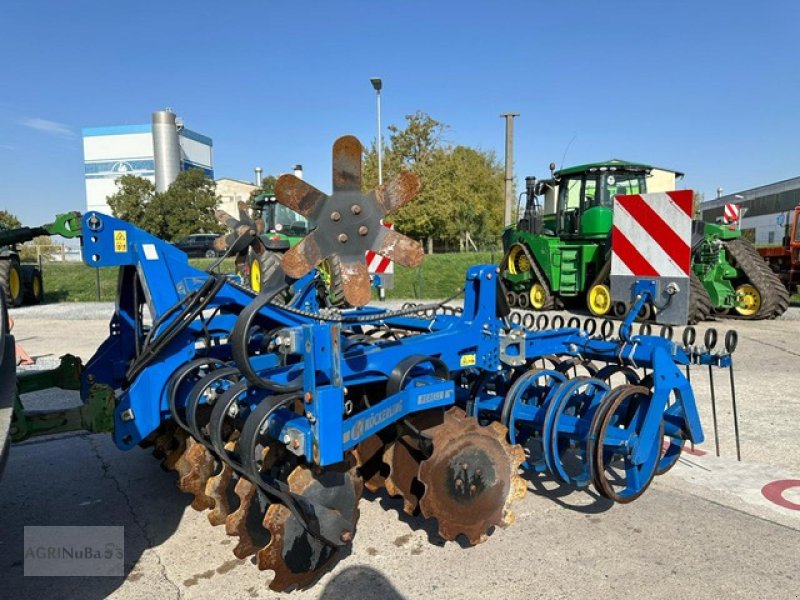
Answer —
378 84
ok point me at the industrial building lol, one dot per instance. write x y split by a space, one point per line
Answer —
765 210
157 151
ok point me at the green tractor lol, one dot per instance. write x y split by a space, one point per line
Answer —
735 276
282 228
559 252
21 283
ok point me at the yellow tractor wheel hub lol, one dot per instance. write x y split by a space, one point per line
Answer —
538 296
37 287
748 300
600 300
255 275
518 260
14 283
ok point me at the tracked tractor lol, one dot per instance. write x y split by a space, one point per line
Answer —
558 253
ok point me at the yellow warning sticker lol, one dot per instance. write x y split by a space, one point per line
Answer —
467 360
120 241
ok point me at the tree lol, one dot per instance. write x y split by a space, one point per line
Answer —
9 220
186 207
131 200
462 187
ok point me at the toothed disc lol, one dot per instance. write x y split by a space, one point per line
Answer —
298 558
194 467
369 460
470 478
404 462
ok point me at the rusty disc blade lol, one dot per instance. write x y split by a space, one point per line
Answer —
355 282
297 558
244 214
218 488
194 467
303 257
296 194
177 448
227 220
400 248
347 151
471 477
398 192
245 522
369 460
404 461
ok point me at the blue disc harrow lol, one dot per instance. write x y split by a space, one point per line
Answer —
277 409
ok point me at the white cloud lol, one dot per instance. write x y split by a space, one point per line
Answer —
50 127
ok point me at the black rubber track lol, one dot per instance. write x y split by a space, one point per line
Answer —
774 295
700 307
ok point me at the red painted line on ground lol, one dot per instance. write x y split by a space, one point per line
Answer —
774 492
688 449
628 254
694 451
662 232
684 199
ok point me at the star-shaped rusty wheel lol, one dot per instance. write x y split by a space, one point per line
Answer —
349 222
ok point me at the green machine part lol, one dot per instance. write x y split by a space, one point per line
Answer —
95 415
568 266
711 264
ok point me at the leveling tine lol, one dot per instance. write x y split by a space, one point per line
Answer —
731 339
710 342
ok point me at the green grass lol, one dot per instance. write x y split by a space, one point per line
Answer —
76 282
439 277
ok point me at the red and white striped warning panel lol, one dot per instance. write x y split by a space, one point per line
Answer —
731 214
377 263
651 235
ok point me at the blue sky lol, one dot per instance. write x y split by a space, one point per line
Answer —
709 88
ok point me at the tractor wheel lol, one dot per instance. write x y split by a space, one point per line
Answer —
511 298
539 296
34 288
599 300
523 300
262 268
11 281
331 272
748 300
518 262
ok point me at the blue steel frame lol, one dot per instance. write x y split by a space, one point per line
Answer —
158 275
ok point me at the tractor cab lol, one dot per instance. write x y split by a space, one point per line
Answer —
281 224
585 197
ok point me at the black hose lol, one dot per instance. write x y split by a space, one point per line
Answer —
239 343
151 348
